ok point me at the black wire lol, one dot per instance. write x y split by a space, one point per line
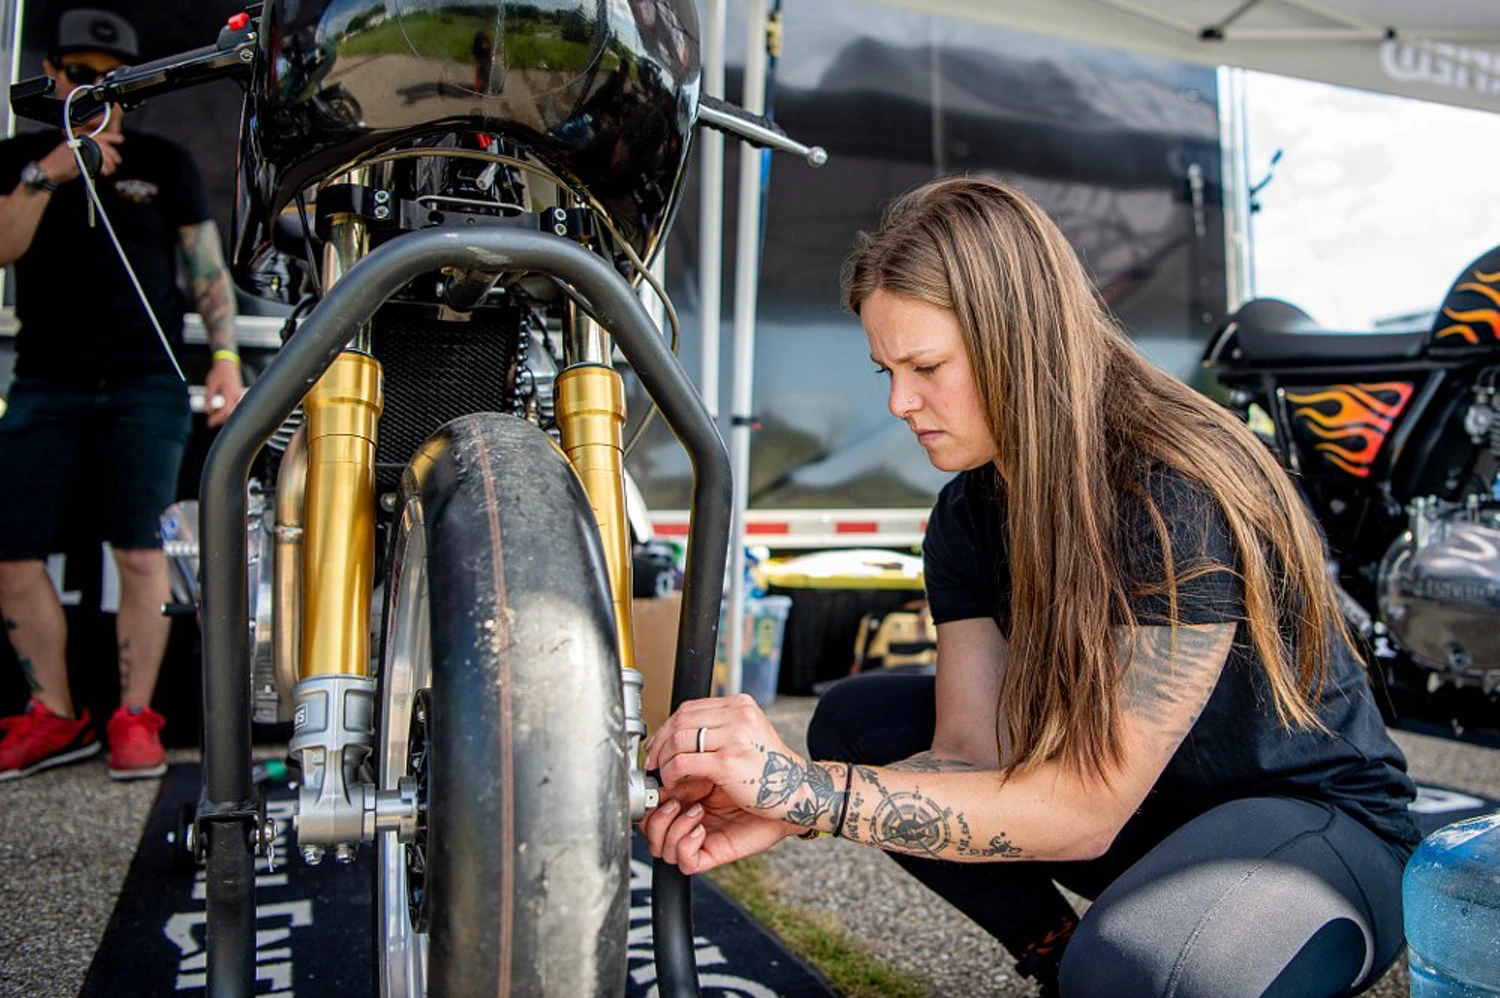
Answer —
307 246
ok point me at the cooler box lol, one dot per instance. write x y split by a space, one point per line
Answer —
763 625
831 592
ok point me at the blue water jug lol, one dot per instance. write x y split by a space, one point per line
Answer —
1451 897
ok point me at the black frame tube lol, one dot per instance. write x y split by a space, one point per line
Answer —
227 806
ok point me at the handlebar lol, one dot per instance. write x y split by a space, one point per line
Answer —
129 86
758 131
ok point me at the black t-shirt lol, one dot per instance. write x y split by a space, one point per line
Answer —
80 316
1237 748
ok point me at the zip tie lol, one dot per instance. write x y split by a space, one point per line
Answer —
75 144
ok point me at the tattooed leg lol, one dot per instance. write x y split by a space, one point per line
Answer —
140 628
37 630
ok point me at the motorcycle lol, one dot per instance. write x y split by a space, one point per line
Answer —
460 201
1394 438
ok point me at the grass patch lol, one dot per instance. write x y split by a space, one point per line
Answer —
814 936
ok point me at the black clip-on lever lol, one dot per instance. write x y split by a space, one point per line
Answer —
231 55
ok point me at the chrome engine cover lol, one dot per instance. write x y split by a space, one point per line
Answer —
1440 590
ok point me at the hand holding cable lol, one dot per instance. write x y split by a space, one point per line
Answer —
731 786
75 145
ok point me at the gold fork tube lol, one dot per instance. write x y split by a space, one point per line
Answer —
338 559
286 618
591 417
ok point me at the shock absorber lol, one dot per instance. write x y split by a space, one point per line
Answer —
590 404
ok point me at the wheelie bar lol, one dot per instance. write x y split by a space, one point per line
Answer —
227 809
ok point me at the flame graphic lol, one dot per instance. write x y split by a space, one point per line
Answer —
1488 292
1468 334
1361 417
1485 315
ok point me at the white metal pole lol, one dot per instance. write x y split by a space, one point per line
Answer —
711 215
746 277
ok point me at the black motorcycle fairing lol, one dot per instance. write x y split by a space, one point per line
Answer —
1469 320
602 92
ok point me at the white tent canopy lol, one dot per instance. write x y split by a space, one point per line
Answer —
1447 51
1438 50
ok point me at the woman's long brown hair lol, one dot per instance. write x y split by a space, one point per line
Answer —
1079 417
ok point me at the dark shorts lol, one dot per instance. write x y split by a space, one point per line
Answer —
121 442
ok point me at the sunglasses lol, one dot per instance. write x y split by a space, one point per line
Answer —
82 74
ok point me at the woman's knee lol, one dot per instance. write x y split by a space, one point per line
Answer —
831 732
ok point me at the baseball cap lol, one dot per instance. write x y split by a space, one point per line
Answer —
90 30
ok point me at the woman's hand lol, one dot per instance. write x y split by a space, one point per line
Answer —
708 833
728 742
732 787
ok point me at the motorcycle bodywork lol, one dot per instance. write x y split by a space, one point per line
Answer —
602 92
1395 440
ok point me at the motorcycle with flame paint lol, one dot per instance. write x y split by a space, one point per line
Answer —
460 200
1395 440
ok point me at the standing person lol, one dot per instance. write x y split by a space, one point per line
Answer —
1144 689
96 389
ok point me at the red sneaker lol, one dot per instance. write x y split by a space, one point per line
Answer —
135 751
39 739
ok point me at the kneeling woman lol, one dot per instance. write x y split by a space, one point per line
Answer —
1144 690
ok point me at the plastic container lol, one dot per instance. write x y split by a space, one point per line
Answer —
1451 899
760 663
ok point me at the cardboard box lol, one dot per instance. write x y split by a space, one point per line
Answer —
656 652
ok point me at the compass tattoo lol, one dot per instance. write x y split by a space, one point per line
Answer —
914 822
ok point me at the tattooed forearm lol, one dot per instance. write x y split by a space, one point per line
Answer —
784 778
209 279
1172 672
931 762
916 822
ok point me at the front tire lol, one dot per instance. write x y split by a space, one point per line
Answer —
501 701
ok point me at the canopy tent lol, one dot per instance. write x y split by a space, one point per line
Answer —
1447 51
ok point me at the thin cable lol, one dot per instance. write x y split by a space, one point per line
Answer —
75 144
307 246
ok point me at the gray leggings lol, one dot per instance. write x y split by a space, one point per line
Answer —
1264 896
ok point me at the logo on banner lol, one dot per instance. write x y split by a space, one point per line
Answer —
1441 64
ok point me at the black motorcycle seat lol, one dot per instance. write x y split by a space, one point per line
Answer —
1269 330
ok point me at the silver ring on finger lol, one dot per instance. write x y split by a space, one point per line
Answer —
702 733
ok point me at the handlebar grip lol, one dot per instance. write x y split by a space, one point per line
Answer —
759 131
88 151
735 111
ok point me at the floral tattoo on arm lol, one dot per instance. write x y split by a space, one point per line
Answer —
784 777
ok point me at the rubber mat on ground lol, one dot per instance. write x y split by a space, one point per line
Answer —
313 925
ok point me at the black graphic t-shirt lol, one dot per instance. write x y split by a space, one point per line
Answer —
1237 748
80 316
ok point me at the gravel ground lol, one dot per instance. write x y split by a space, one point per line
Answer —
67 837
